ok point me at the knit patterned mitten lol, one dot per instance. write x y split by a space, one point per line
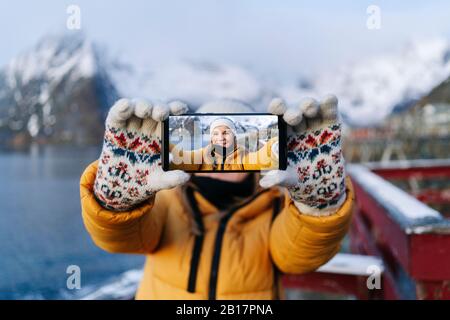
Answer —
315 176
129 168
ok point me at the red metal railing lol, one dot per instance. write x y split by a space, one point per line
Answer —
411 239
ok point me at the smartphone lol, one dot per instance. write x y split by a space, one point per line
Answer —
221 142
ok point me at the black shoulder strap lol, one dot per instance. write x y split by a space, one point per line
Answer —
198 242
276 272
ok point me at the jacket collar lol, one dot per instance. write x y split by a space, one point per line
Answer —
231 158
250 207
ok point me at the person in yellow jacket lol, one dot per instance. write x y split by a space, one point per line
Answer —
218 235
223 152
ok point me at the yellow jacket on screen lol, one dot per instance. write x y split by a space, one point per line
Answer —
240 159
239 252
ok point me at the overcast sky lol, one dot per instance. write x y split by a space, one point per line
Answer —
271 37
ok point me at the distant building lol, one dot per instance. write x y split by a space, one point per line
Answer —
419 132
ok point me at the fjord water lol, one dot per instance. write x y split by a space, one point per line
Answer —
41 230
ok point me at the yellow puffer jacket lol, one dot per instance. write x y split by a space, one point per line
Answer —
237 255
200 159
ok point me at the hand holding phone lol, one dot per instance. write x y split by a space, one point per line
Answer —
315 175
129 169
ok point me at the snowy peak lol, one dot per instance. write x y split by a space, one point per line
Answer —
192 82
370 89
62 88
59 90
52 58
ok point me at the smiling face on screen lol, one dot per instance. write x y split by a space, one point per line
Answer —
222 136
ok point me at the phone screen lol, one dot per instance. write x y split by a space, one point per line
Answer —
224 142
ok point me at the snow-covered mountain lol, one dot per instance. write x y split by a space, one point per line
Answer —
61 89
368 90
372 88
58 91
190 81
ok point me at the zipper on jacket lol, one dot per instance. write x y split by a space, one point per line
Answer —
218 246
223 163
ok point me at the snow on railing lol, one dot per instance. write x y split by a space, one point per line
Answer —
407 164
412 239
406 240
412 215
352 264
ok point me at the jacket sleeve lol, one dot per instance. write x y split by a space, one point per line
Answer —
264 157
134 231
302 243
179 157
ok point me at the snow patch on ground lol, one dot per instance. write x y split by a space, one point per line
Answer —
119 288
